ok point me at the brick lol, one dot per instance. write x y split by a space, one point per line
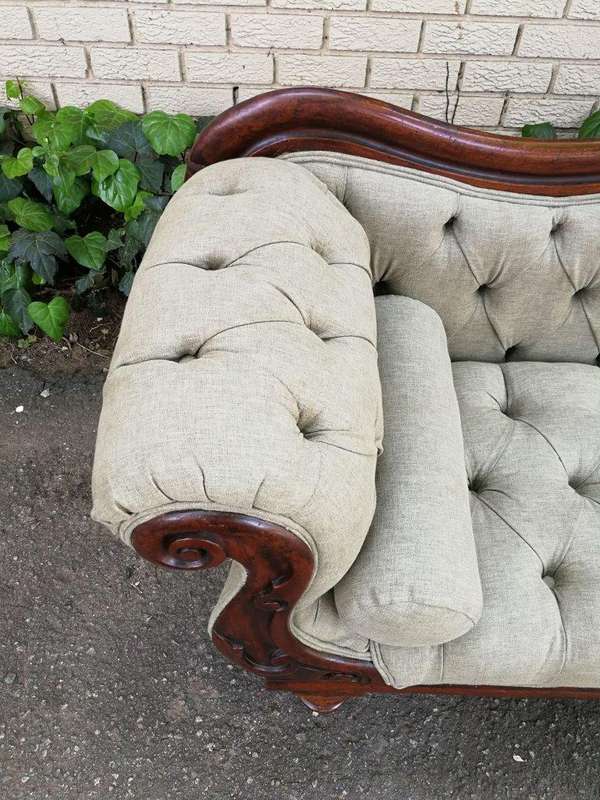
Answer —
221 2
334 5
560 111
37 60
198 101
128 95
143 64
413 73
502 76
40 89
179 27
277 30
331 71
585 9
383 34
15 23
82 24
420 6
578 79
473 111
229 67
485 38
519 8
560 41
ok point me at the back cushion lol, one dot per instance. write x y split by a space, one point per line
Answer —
513 277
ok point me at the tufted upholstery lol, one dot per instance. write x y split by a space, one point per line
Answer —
513 277
532 445
245 379
225 385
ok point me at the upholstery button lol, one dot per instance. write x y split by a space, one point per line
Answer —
510 353
449 223
483 288
549 581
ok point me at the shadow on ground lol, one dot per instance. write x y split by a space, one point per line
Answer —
109 686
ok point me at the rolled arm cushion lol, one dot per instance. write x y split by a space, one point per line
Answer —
416 581
245 375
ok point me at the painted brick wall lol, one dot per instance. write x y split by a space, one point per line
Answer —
506 62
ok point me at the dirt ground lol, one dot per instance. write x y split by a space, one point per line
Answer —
109 686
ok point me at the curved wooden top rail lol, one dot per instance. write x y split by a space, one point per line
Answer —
308 118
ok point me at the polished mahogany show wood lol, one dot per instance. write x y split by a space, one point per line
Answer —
253 630
309 118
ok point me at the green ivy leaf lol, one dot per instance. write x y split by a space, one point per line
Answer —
8 327
128 141
137 207
42 182
86 282
152 173
31 105
69 196
142 228
12 89
40 250
539 130
31 215
108 115
590 127
105 163
53 134
9 188
4 239
178 177
114 239
80 159
126 282
16 302
51 317
16 166
169 134
89 251
118 190
13 276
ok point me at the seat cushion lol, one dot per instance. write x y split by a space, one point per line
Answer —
532 445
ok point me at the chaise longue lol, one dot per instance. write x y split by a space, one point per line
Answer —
360 360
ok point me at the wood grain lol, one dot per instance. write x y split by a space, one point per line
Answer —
308 118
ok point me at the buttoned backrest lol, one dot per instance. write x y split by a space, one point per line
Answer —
513 277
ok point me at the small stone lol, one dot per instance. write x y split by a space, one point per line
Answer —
45 393
10 678
20 409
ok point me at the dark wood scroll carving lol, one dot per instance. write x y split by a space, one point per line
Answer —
309 118
253 629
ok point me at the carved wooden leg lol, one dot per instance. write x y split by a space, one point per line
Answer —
253 629
323 704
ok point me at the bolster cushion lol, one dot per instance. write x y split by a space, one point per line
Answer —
416 580
245 375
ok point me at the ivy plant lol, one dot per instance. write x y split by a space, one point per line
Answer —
589 129
81 190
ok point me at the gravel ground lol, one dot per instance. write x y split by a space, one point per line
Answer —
109 686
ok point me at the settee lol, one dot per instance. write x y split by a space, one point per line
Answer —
360 360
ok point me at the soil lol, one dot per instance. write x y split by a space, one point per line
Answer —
86 348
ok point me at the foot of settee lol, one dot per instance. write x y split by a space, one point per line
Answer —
323 704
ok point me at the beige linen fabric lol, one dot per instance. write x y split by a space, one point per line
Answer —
532 443
416 580
513 277
245 375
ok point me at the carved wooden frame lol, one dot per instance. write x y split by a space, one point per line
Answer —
253 629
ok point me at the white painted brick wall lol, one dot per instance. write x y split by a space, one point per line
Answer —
504 62
14 23
371 34
277 30
62 23
162 26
